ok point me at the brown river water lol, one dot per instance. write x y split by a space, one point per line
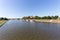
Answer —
29 30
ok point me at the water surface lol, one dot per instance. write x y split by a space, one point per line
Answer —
26 30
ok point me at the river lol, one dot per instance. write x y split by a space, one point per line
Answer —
29 30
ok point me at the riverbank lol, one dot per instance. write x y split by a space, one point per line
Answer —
2 22
48 21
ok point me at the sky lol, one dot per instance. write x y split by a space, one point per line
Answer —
20 8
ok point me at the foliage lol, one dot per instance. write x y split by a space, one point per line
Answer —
37 17
45 17
3 18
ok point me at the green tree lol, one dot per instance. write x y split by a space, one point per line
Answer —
55 17
37 17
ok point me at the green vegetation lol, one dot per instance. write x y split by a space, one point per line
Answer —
3 18
45 17
2 22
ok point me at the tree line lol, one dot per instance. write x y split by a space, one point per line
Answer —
2 18
44 17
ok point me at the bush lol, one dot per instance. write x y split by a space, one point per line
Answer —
3 18
37 17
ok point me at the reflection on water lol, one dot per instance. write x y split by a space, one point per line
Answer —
23 30
29 20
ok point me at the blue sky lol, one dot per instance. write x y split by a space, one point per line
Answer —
20 8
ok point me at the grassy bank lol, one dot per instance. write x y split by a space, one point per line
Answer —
2 22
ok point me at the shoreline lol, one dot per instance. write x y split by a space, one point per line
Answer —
2 22
48 21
